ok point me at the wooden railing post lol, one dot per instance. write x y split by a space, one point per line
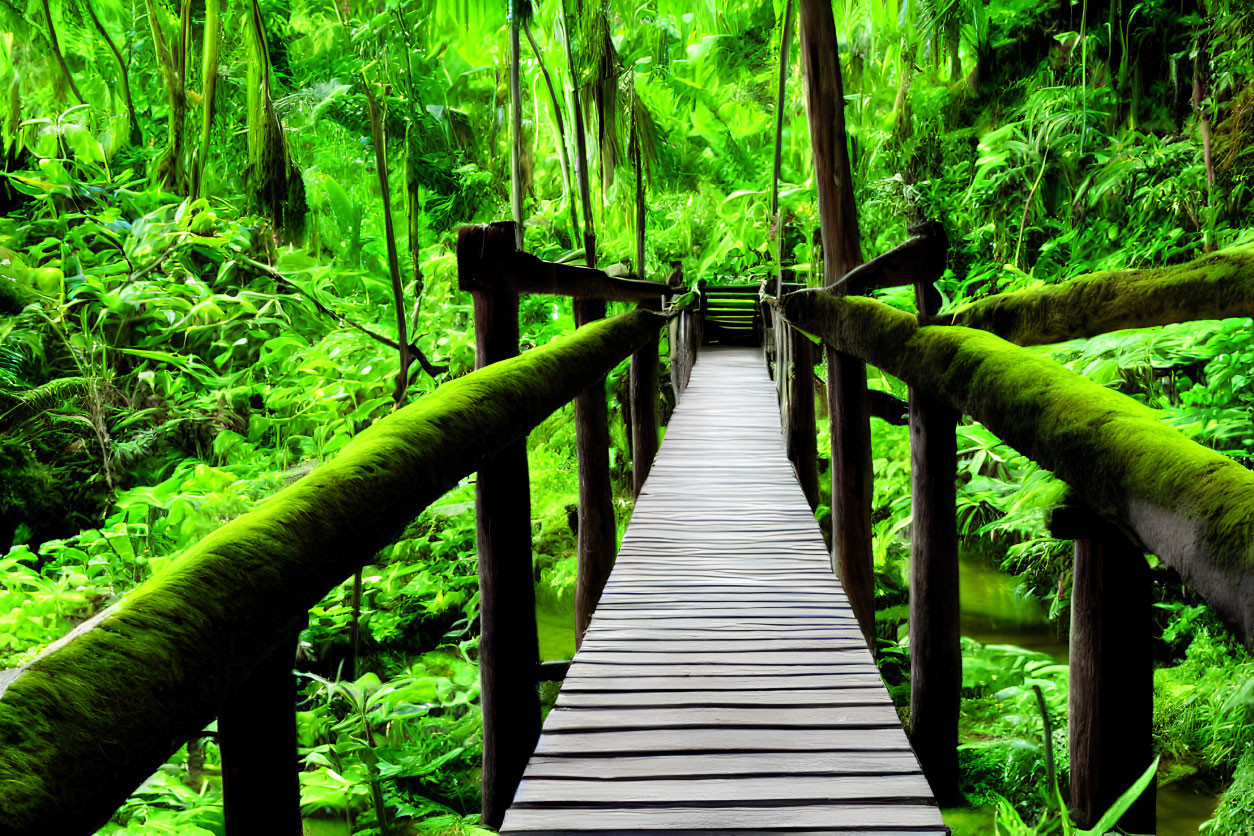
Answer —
508 646
802 434
598 531
935 651
1111 703
257 739
644 386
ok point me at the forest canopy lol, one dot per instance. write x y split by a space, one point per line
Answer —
227 227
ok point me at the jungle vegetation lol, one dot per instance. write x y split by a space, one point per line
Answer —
220 220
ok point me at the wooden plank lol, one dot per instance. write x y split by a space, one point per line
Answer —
724 684
644 741
837 678
850 816
769 716
870 694
747 763
795 789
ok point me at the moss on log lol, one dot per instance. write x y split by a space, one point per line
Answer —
94 715
1212 287
1189 505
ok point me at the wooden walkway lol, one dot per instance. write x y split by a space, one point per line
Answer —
723 686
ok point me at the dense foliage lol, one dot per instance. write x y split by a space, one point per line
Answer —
197 306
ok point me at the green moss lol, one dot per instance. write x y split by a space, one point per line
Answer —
99 711
1215 286
1189 505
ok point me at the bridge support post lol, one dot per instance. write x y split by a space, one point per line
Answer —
644 387
935 648
801 433
508 646
598 530
1111 701
257 739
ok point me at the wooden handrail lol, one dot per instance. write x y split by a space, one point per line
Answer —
521 272
102 708
1191 506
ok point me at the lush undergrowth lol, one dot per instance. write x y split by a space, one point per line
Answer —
183 331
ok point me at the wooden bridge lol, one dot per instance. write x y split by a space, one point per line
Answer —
723 682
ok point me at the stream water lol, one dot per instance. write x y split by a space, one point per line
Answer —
995 612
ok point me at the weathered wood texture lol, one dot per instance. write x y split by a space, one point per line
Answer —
644 409
521 272
598 533
1189 505
1111 701
800 431
935 652
508 646
724 684
685 336
257 738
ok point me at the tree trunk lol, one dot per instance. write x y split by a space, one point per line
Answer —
850 417
515 126
389 233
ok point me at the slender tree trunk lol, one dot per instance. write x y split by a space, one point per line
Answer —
515 125
394 263
785 41
581 151
275 183
597 537
1201 67
209 72
136 135
170 169
59 55
850 414
563 151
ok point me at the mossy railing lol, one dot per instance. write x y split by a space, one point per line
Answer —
1138 485
101 709
1214 286
1189 505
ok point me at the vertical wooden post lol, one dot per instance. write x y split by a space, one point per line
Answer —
257 739
508 646
644 385
598 531
935 654
851 469
802 434
1111 704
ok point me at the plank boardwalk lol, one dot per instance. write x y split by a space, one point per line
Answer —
723 686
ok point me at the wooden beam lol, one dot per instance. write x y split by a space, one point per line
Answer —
920 259
524 273
644 407
257 739
508 644
1111 701
597 538
935 651
1189 505
98 711
1212 287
